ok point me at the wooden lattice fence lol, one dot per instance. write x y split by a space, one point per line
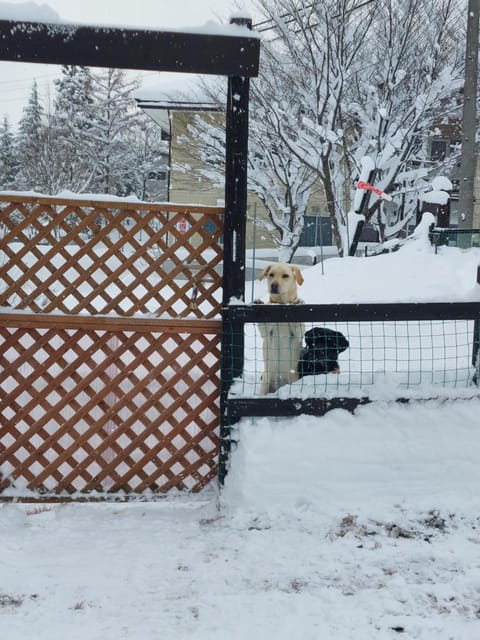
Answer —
109 346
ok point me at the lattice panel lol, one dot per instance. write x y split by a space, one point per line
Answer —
90 410
78 256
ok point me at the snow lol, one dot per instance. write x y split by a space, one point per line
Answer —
413 273
28 11
43 13
66 194
441 183
435 197
346 527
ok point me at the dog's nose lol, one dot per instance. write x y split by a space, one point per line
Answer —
274 287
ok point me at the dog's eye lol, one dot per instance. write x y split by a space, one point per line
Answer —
285 275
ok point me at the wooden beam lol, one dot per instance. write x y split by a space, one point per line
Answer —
120 204
28 320
92 46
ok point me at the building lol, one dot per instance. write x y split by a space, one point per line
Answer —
187 182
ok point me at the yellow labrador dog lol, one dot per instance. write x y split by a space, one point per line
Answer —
282 342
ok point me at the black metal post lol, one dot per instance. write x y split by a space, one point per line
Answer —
476 341
356 238
236 157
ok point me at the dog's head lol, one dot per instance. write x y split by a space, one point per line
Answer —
282 281
326 340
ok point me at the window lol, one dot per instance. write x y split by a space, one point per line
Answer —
439 150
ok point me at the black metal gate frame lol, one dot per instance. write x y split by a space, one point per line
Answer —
236 316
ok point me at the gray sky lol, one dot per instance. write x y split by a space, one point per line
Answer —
16 78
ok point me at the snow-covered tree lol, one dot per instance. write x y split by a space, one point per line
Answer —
39 148
50 169
365 79
418 49
110 113
146 156
72 101
282 182
8 158
281 179
30 135
93 140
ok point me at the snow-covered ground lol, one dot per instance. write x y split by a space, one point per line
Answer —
358 527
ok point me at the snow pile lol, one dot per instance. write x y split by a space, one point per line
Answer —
179 571
412 274
382 457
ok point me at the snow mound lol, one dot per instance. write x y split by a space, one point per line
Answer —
414 273
384 456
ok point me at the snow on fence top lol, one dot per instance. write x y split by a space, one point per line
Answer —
230 50
32 12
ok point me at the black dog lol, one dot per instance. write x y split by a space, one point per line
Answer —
321 353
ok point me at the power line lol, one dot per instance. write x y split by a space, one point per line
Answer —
288 14
282 16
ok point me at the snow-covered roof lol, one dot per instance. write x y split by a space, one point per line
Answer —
179 105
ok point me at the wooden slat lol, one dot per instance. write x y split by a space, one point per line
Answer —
106 323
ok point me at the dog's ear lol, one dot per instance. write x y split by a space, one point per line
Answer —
298 275
264 273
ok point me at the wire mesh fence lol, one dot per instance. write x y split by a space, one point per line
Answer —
463 238
404 354
354 357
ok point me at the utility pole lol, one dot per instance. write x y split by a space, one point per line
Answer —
469 123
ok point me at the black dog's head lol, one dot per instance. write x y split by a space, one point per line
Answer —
321 352
320 338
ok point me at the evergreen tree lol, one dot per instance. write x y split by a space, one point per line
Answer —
95 139
8 158
111 113
30 141
70 117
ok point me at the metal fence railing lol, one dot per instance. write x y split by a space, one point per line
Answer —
395 352
462 238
